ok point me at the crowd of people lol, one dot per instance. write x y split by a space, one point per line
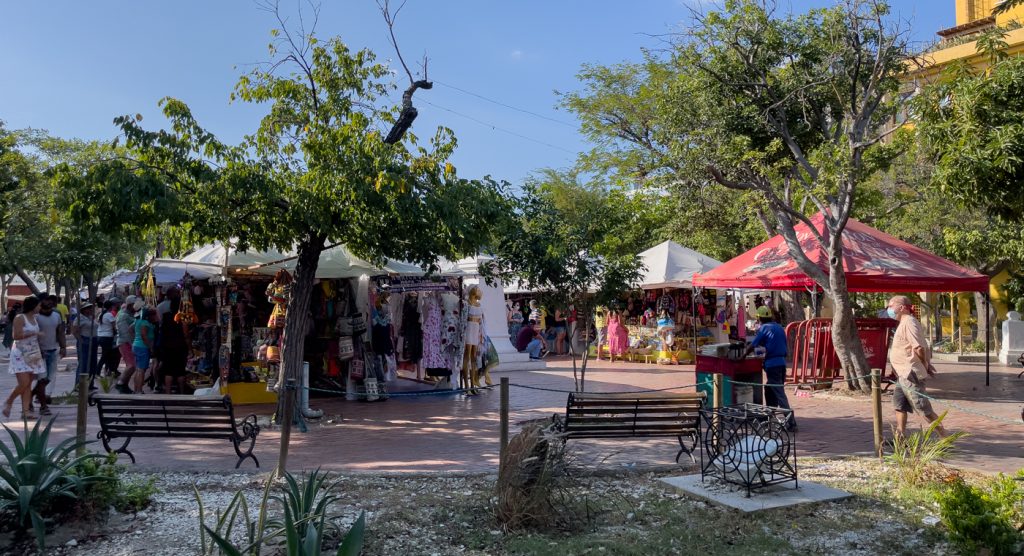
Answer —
148 340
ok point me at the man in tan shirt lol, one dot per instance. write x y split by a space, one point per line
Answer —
911 360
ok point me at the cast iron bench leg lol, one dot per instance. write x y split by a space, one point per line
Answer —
249 431
122 450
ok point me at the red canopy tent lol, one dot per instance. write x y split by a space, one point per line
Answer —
874 262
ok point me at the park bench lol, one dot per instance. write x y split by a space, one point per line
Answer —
128 416
646 415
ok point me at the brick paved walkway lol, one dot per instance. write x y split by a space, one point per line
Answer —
460 434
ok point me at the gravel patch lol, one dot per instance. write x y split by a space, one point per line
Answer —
430 514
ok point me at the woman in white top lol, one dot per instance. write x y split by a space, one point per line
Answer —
26 357
105 331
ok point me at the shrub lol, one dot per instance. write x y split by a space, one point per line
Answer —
125 496
980 521
37 476
915 453
306 506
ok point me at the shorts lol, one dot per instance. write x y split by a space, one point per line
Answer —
141 357
907 398
127 355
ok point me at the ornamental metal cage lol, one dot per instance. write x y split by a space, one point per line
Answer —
748 445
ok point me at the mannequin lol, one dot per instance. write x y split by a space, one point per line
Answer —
473 339
383 346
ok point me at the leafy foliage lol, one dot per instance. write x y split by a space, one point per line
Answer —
973 124
983 521
914 453
35 475
125 496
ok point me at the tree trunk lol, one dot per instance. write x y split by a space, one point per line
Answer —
979 306
792 309
6 282
849 348
293 348
28 281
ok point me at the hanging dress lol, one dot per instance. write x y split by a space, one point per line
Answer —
433 356
412 330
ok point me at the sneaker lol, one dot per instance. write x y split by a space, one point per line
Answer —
45 411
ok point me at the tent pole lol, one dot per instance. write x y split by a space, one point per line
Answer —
988 335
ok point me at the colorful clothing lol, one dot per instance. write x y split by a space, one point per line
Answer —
433 357
618 336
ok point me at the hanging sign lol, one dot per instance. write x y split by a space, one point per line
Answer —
419 283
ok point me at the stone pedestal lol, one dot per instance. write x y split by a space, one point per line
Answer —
1013 339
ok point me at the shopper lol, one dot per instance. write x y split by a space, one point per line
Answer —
125 336
84 331
53 343
561 329
174 350
530 340
142 345
772 337
105 330
912 361
26 358
618 335
9 328
601 325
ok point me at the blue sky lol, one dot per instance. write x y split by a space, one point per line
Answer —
70 67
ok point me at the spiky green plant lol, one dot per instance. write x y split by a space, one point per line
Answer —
914 453
35 474
305 504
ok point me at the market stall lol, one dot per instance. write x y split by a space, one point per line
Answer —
668 310
873 261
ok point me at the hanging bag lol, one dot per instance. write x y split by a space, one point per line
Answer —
346 348
357 369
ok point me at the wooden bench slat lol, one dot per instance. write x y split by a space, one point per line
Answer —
156 428
220 421
624 403
631 411
169 411
165 434
577 420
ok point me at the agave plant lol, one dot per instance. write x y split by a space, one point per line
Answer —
35 474
305 504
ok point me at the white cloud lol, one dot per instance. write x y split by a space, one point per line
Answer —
516 54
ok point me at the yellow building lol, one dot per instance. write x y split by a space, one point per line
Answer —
973 17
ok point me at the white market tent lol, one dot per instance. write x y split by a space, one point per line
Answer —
214 259
670 265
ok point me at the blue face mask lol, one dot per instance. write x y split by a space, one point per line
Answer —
891 313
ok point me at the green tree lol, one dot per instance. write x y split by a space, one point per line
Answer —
564 241
629 112
799 111
317 171
789 112
972 122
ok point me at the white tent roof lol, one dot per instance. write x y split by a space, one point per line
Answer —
335 262
670 265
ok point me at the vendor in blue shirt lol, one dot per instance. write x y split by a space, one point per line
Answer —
772 337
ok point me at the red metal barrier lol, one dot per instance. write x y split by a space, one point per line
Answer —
814 356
